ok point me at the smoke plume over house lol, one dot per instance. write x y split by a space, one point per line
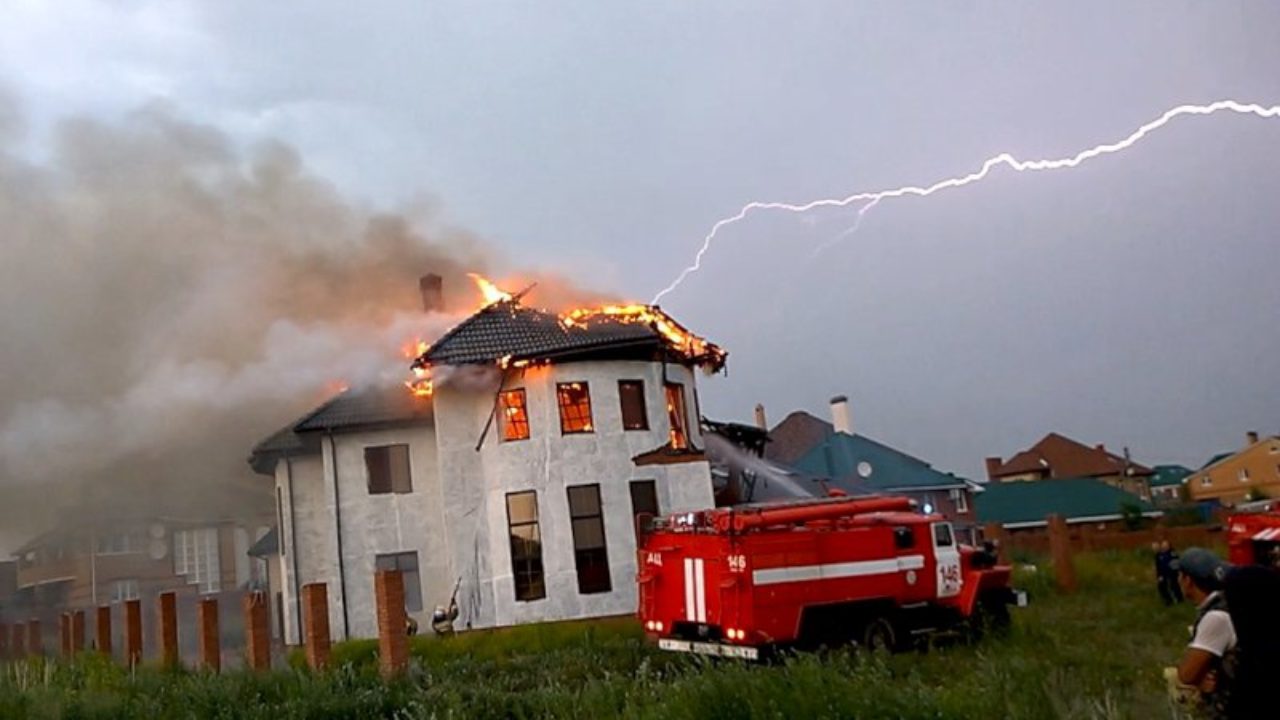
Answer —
169 297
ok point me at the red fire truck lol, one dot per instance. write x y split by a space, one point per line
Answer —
1253 534
735 582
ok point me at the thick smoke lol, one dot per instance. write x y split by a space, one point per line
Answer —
170 299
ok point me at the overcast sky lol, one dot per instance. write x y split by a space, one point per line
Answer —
1133 301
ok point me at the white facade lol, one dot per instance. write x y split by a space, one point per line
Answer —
455 518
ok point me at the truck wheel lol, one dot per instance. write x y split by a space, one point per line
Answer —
990 617
879 635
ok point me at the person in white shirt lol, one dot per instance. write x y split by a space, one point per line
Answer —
1209 660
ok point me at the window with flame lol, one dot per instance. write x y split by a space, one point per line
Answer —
515 415
590 555
526 546
634 414
575 407
676 416
387 467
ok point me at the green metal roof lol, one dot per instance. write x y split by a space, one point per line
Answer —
1169 475
859 464
1073 498
1216 458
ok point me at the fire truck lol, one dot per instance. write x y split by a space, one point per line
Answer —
743 581
1253 534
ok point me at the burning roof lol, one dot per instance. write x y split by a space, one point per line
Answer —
506 332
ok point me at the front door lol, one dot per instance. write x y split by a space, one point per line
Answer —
947 558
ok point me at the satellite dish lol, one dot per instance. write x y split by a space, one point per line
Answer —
157 531
864 469
158 549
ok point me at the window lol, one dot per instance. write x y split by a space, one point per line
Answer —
119 543
1243 474
676 416
589 552
515 416
903 538
631 395
960 499
1206 481
644 503
407 564
195 556
942 535
123 590
526 545
575 407
388 469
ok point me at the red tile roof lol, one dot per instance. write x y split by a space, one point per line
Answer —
1059 456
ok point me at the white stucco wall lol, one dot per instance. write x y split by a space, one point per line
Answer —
307 538
370 525
379 524
476 485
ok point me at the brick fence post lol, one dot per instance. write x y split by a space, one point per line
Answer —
77 632
18 648
1064 568
257 630
132 632
315 621
167 607
210 641
393 640
64 635
35 638
102 629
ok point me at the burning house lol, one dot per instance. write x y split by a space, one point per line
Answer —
514 469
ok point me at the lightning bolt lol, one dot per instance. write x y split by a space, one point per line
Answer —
873 198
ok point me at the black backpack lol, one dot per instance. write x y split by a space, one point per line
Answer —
1252 593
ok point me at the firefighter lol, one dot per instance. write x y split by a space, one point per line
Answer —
1209 662
1166 576
442 620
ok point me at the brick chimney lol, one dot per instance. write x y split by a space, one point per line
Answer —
840 415
761 422
993 464
1250 438
431 286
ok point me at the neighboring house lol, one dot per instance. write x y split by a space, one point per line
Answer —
1025 505
855 464
1058 456
1251 473
1166 483
89 566
519 479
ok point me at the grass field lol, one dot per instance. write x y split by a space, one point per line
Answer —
1097 653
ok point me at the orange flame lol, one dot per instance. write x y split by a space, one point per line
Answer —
421 384
682 339
492 293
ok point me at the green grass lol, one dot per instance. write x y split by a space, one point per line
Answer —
1097 653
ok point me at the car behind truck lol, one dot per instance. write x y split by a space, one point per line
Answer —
738 582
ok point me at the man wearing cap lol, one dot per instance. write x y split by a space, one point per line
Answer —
1209 661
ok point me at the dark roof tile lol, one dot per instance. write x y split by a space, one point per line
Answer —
510 330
